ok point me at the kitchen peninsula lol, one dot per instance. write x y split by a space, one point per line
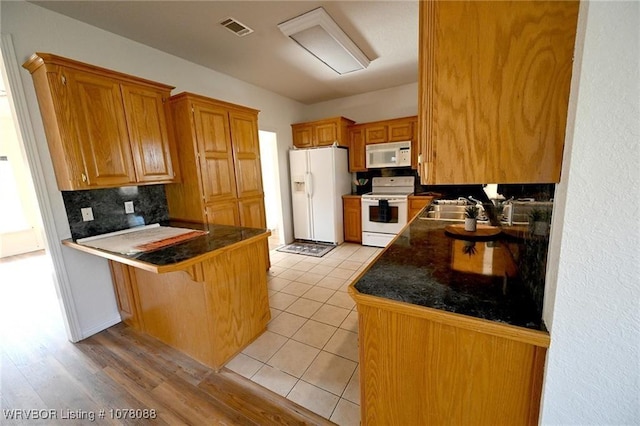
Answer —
446 339
206 297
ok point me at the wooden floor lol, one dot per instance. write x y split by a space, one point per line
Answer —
115 369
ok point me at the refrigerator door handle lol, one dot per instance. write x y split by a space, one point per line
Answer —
308 184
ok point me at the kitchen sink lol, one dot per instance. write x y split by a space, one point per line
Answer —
452 211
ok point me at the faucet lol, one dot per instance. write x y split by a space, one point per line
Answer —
482 212
477 202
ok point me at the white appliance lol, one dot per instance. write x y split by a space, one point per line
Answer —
319 179
395 154
384 209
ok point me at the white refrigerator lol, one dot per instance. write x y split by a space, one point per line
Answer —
319 179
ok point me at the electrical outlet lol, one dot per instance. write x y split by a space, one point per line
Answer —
87 214
128 207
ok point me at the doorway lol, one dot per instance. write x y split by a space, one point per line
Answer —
271 186
20 223
27 284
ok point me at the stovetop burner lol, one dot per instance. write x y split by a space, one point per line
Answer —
397 187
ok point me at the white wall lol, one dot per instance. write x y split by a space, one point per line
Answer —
593 291
401 101
37 29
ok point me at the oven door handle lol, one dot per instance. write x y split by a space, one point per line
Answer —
375 202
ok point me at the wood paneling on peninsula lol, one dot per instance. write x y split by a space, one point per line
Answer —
103 128
449 369
493 97
209 305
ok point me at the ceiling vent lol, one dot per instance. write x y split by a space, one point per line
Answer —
236 27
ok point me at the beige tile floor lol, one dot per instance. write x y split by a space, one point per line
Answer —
309 353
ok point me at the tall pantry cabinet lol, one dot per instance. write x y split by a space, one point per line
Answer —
218 148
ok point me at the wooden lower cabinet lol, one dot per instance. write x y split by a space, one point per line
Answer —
421 366
224 213
352 217
210 311
416 204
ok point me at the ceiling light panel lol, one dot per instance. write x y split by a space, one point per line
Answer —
317 33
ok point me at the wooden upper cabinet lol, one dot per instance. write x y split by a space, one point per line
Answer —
375 134
401 130
394 130
151 142
103 128
303 136
357 155
321 132
493 98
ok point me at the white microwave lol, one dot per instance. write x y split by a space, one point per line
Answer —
394 154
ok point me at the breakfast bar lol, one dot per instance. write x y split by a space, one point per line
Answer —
206 297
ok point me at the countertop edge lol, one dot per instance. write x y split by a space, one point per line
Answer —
160 269
512 332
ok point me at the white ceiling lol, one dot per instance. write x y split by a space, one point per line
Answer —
386 31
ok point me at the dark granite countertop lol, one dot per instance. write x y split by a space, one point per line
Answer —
426 266
218 237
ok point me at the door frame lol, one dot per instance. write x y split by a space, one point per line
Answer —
26 136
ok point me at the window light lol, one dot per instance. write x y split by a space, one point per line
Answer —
318 34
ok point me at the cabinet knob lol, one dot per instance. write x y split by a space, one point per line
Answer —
84 177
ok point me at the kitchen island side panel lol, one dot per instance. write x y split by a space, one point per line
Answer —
210 311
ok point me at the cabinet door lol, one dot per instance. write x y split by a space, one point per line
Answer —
102 129
246 152
416 204
151 144
326 133
225 213
375 134
495 111
401 131
352 219
252 213
215 152
302 136
125 296
357 154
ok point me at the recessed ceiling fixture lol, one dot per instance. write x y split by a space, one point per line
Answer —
317 33
236 27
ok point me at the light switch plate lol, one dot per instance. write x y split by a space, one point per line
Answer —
128 207
87 214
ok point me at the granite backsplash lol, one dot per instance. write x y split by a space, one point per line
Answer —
149 202
541 192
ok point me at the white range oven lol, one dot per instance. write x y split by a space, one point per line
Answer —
384 209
